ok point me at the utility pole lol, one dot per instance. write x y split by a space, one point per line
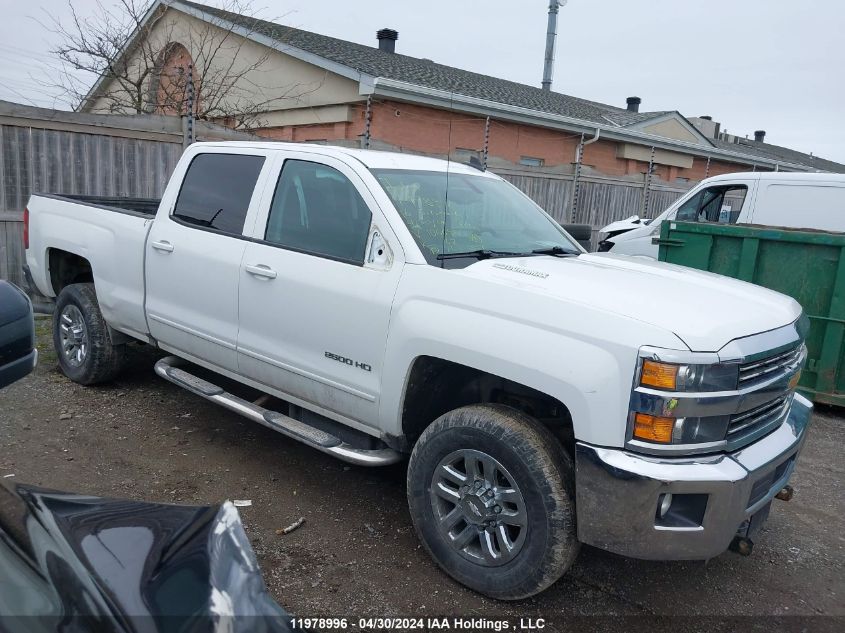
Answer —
551 36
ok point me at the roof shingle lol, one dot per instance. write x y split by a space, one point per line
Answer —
371 61
778 153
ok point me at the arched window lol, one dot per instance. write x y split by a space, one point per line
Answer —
168 92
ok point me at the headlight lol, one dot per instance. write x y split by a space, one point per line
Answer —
677 377
657 416
684 402
666 430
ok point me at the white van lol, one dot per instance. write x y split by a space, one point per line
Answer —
798 200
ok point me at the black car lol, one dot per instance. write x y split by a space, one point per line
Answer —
17 334
72 562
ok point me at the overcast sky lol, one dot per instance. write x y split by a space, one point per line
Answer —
776 65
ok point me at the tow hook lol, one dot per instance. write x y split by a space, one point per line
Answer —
742 545
785 493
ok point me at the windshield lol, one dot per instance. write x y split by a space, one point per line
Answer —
480 215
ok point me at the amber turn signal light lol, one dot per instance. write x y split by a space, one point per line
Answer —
660 375
653 428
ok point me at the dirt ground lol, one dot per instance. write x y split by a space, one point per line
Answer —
357 553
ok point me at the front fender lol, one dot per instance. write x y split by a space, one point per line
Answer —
583 358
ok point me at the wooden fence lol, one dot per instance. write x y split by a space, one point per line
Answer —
111 155
600 200
45 150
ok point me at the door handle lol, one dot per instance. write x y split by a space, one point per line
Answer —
260 270
163 246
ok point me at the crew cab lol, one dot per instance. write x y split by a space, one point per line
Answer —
377 305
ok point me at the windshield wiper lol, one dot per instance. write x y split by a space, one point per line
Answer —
478 254
555 250
484 253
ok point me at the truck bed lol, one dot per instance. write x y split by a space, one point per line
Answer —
145 207
109 234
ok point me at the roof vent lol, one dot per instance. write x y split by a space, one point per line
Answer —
387 40
634 104
706 117
760 136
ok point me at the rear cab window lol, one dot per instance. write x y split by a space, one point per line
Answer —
216 191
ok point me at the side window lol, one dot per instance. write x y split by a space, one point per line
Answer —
716 204
710 205
688 211
317 210
216 191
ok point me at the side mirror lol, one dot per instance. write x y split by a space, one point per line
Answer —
17 334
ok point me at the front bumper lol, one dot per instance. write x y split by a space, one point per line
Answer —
618 493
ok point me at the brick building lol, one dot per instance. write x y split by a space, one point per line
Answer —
550 144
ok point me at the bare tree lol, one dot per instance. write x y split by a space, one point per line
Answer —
144 63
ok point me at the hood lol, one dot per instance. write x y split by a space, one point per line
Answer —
706 311
634 222
14 304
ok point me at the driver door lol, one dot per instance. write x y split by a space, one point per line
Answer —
727 203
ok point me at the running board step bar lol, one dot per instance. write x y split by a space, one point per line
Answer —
168 368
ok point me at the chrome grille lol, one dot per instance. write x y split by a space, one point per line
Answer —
758 419
756 371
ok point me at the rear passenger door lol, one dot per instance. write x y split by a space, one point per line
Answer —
194 253
316 288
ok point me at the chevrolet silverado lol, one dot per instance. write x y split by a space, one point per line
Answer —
377 305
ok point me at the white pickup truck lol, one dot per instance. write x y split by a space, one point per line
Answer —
375 305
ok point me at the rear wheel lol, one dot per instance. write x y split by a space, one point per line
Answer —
82 339
490 494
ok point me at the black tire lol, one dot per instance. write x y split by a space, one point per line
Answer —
543 473
102 360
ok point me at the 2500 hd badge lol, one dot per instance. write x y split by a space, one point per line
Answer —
349 361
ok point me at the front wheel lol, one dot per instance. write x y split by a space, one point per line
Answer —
490 494
82 338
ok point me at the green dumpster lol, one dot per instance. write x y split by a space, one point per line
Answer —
806 265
